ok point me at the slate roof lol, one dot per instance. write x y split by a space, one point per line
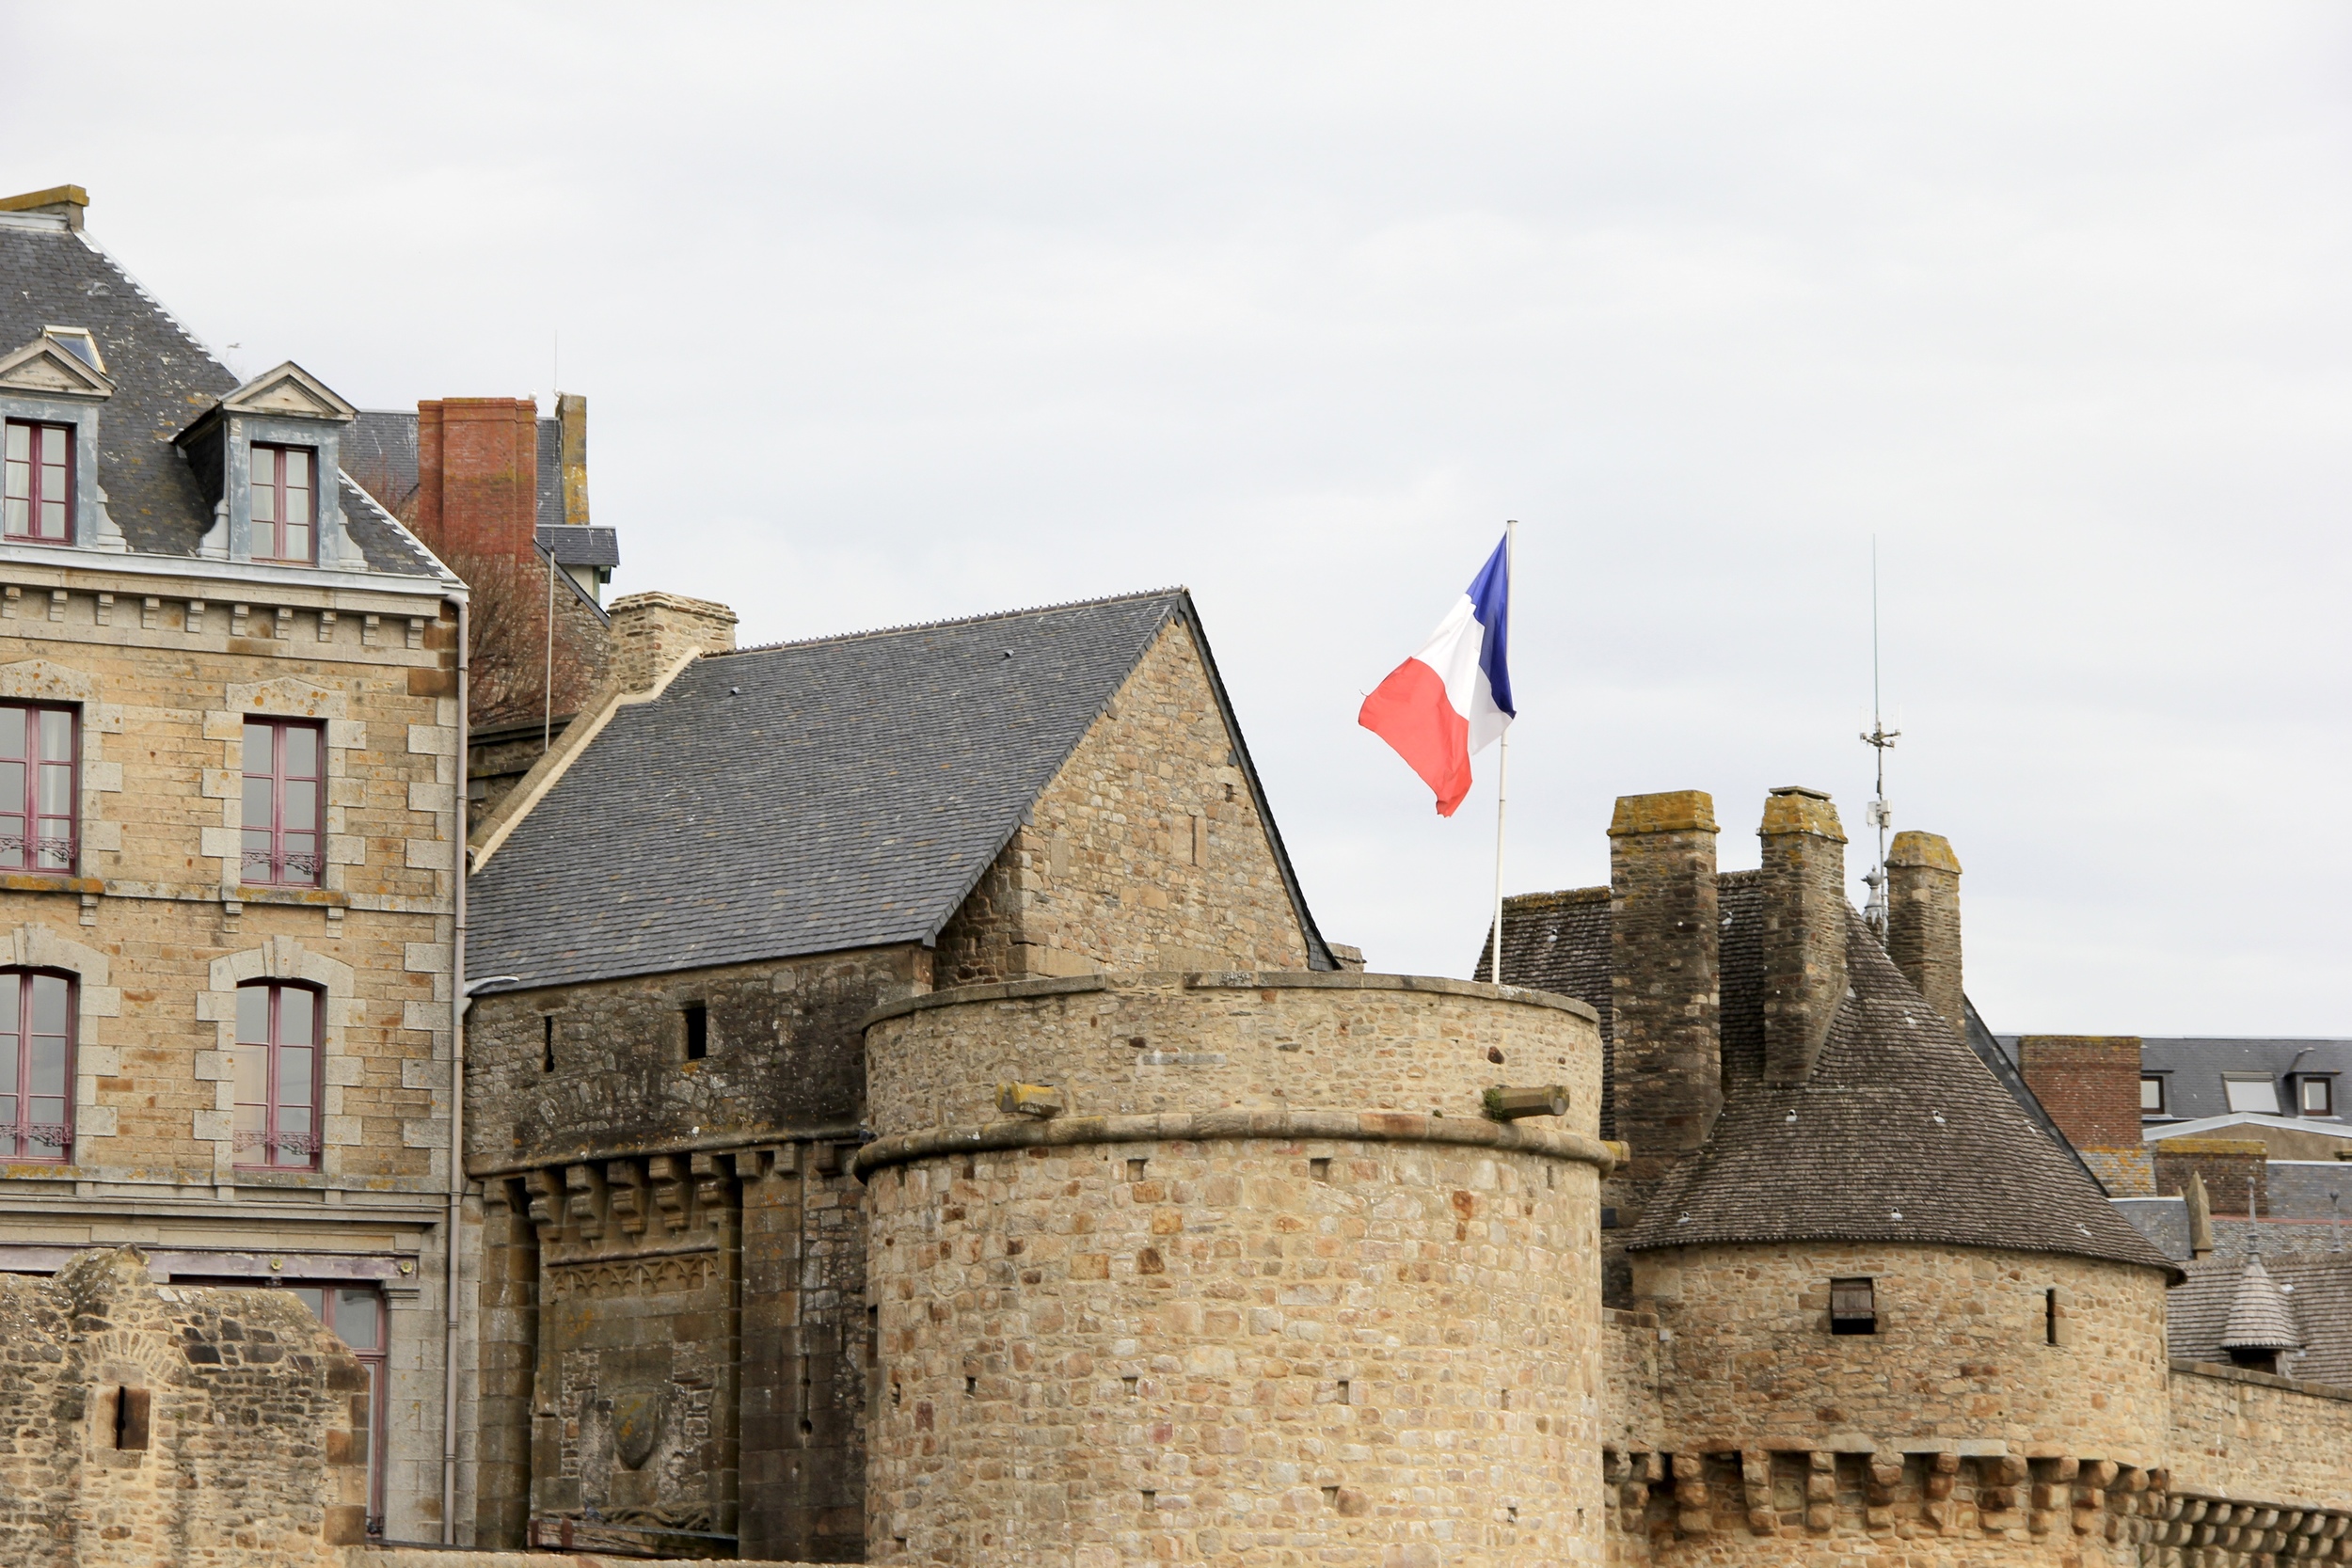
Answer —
1559 942
2316 1288
1900 1134
842 793
2259 1318
164 379
580 545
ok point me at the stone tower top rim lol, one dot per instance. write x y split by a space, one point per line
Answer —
1145 980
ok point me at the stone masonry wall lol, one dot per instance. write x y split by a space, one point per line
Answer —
1323 1332
773 1105
1962 1354
2240 1434
251 1449
1146 852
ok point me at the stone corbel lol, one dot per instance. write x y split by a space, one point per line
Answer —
585 1186
625 1195
668 1191
711 1190
546 1206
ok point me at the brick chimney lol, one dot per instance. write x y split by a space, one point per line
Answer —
1923 921
2089 1083
1664 987
478 476
651 633
1805 928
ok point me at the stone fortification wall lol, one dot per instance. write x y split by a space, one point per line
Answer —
157 1425
1629 1358
1272 1286
1146 852
2246 1435
1962 1354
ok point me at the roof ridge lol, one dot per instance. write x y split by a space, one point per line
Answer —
951 620
154 302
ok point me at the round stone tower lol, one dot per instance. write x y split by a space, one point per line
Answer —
1226 1267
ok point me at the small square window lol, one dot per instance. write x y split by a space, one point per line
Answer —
2151 1097
1853 1307
2317 1096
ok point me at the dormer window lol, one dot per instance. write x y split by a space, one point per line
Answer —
285 502
77 342
39 482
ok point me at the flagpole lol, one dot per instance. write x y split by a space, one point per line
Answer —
1502 757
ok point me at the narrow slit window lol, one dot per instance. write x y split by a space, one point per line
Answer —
285 787
546 1042
285 503
132 1418
2050 1317
1853 1307
697 1031
278 1076
40 482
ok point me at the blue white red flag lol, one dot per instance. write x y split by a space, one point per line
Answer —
1452 700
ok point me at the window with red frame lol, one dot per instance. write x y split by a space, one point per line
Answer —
285 786
285 502
278 1076
35 1064
39 482
36 787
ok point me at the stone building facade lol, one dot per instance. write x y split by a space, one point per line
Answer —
754 849
229 721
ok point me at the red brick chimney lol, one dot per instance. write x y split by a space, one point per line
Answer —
478 476
2089 1083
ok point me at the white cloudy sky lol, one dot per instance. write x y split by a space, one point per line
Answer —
892 312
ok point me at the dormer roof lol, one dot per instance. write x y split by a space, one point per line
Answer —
48 368
289 391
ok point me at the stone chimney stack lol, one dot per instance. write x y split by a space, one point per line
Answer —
57 202
1923 921
651 633
1805 930
478 476
571 421
1664 989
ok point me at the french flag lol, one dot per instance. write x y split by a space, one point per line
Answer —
1452 700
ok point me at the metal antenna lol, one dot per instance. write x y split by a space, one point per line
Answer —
1881 740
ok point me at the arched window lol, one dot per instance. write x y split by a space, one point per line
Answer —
35 1064
277 1075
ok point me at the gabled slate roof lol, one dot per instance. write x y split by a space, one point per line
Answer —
2315 1288
1901 1135
812 797
165 379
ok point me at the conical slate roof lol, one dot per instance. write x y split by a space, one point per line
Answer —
2260 1318
1900 1134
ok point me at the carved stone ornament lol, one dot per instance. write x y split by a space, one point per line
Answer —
636 1427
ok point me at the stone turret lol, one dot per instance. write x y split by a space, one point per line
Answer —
1196 1266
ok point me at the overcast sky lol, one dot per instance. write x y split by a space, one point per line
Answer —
891 314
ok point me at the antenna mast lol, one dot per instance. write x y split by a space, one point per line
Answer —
1882 740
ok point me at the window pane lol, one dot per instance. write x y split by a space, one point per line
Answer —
56 791
296 462
20 443
19 518
313 1298
8 1063
13 730
256 802
253 1016
252 1068
51 520
2314 1094
297 1017
302 752
56 735
8 1121
11 783
293 1080
257 759
297 544
301 806
251 1118
265 500
2259 1096
356 1318
48 1074
49 993
2152 1094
